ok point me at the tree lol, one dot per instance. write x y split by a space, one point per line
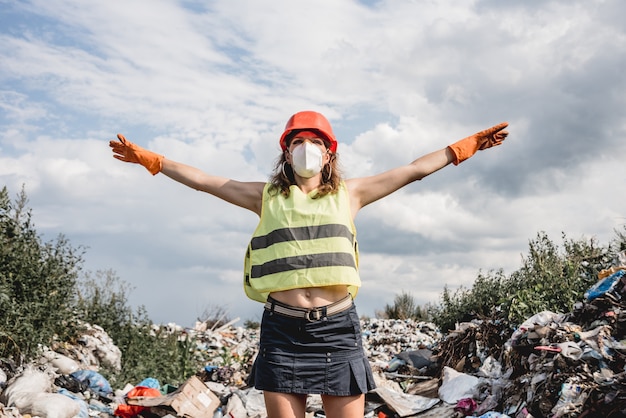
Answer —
404 307
102 299
37 281
45 297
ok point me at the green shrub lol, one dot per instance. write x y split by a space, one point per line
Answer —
37 282
147 350
153 351
551 278
404 307
45 295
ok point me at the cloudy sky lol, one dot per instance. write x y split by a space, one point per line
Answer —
212 83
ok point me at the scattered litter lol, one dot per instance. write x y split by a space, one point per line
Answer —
552 365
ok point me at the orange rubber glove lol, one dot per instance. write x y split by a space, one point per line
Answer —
126 151
488 138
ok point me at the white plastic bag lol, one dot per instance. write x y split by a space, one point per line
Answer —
30 381
47 405
62 363
456 386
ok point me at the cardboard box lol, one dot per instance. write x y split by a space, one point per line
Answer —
192 400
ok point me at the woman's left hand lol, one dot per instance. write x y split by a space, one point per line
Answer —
493 136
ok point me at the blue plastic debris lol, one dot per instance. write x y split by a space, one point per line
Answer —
606 285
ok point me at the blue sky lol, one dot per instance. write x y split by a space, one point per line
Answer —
213 83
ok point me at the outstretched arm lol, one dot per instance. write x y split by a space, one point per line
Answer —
247 195
366 190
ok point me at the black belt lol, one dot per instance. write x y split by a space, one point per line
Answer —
310 314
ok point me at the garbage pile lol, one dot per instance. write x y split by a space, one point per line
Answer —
552 365
64 382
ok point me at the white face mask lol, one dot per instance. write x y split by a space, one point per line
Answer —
306 160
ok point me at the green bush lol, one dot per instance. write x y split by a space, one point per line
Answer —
551 278
153 351
37 282
45 296
483 300
148 350
404 307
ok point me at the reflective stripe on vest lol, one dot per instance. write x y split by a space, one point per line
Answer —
303 261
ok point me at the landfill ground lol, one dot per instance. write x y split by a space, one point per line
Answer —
552 365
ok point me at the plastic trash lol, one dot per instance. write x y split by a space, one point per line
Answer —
466 406
570 350
456 386
95 381
97 341
30 381
487 405
130 411
84 408
394 364
490 368
150 382
234 408
541 319
70 383
49 405
62 363
405 404
571 399
605 285
252 400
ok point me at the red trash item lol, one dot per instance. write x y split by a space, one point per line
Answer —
130 411
553 348
466 406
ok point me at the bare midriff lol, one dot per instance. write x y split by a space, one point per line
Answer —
311 297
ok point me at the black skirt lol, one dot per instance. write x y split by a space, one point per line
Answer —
323 357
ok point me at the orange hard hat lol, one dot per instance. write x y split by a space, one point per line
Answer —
308 120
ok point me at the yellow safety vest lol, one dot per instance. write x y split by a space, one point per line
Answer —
302 242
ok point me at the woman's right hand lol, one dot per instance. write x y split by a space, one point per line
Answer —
126 151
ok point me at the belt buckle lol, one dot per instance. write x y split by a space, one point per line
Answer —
316 311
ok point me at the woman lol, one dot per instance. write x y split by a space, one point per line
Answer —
302 261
